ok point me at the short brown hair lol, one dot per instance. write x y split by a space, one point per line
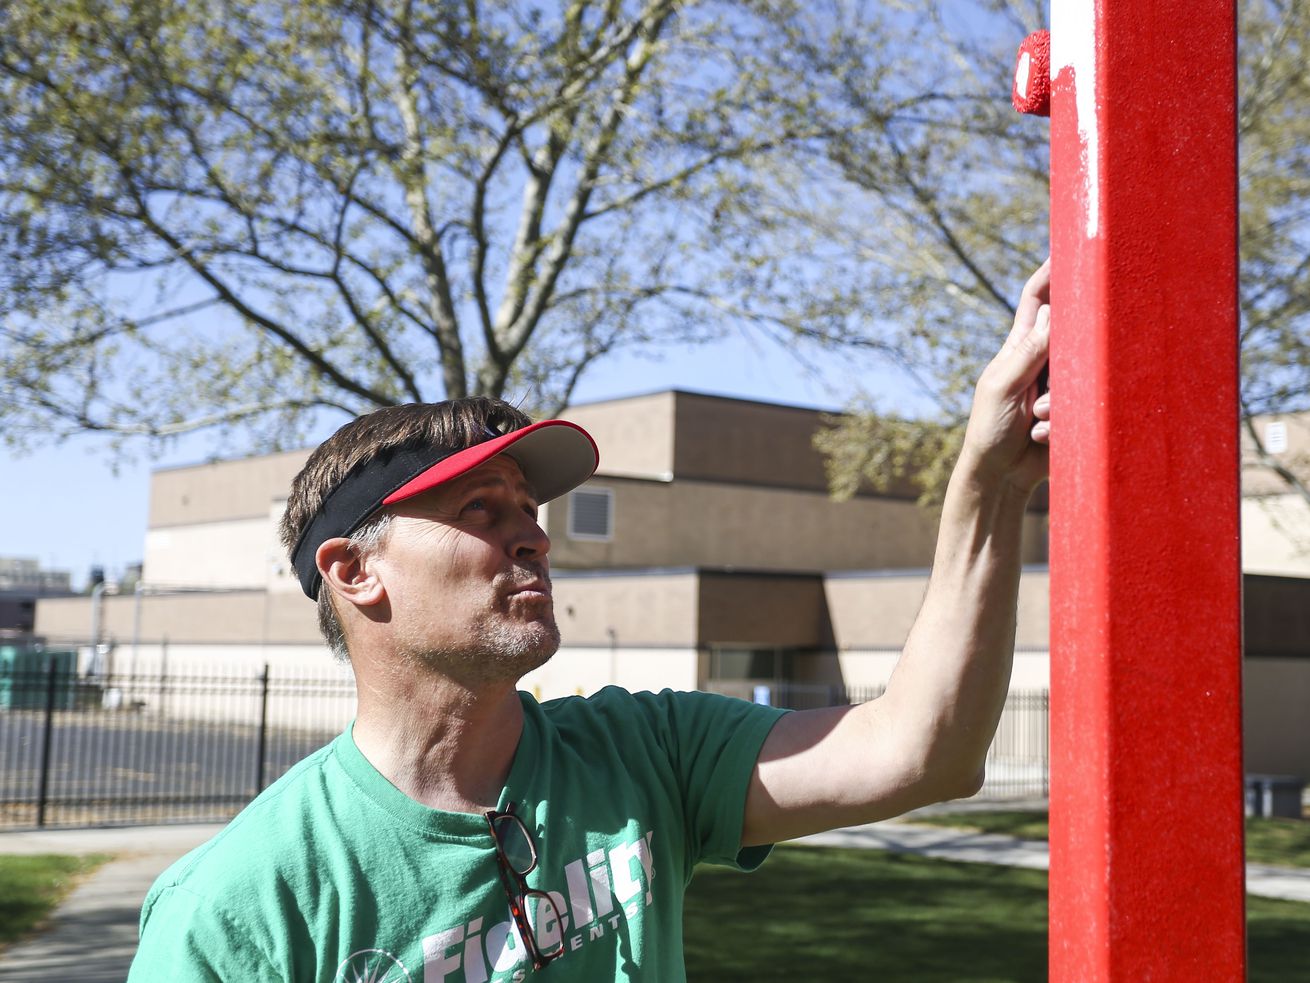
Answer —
454 423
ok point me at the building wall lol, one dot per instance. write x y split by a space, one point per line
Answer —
1276 519
215 525
635 609
1276 675
872 614
635 435
656 524
242 618
770 610
223 490
1276 617
746 442
1276 535
582 670
874 611
1276 715
873 667
1257 477
223 554
712 524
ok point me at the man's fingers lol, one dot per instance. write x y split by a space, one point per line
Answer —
1042 408
1025 355
1036 294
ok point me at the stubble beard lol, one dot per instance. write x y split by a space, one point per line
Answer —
498 647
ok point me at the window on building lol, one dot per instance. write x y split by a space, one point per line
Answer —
591 514
761 664
1276 437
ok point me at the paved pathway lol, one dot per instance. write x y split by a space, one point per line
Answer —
938 842
92 936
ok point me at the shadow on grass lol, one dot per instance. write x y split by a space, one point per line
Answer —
826 913
1277 940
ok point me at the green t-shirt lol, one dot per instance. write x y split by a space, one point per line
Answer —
335 875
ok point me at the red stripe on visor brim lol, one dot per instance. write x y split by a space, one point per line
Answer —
555 456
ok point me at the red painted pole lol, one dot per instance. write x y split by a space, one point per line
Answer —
1147 875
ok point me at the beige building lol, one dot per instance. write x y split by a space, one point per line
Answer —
704 553
1275 517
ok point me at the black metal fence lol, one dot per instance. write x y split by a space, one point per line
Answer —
1018 763
127 749
131 749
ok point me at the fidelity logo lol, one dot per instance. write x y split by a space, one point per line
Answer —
604 890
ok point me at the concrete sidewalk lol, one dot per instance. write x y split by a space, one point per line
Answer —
1287 883
92 936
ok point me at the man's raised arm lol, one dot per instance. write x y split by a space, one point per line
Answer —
926 738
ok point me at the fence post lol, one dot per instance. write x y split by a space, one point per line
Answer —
263 729
163 677
51 669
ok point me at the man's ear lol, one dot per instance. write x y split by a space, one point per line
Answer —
351 576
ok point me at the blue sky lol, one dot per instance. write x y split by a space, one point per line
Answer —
65 506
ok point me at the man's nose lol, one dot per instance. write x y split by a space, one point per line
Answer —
530 539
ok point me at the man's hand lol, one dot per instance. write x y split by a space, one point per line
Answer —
1002 442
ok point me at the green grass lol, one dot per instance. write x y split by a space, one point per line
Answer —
1025 824
30 887
814 913
1280 842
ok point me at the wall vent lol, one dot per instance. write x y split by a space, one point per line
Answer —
591 514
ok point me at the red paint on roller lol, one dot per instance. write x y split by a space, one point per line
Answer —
1031 91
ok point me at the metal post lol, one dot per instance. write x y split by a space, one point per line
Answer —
1146 771
263 729
163 677
97 621
138 591
43 792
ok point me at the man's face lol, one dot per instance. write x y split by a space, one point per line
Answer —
467 577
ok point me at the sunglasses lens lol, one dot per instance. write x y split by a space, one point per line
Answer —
515 844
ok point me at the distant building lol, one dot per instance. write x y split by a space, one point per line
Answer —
23 582
25 573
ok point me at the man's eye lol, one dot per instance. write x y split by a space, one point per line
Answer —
477 504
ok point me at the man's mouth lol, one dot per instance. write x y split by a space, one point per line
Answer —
535 590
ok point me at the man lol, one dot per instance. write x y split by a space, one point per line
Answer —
459 831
